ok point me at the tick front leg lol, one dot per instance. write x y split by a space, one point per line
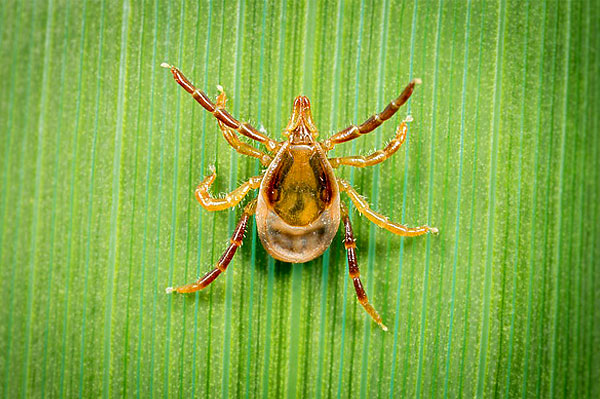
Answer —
354 272
382 221
243 148
234 140
353 131
361 161
221 114
234 243
231 199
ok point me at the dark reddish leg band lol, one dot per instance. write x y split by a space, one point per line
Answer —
354 272
235 243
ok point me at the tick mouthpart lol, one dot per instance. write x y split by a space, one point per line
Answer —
302 111
301 103
301 119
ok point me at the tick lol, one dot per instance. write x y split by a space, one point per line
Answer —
298 207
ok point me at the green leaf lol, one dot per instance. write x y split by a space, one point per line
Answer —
101 151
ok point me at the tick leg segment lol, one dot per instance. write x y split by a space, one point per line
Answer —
211 203
234 243
382 221
361 161
244 148
234 140
353 131
221 114
354 272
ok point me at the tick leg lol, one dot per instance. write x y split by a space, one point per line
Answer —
244 148
234 243
220 113
353 131
354 272
361 161
382 221
231 199
234 140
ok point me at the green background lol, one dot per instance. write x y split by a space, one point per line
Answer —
101 151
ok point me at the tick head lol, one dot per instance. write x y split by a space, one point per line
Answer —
301 128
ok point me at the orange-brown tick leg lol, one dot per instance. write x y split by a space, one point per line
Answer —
234 140
354 272
361 161
243 148
353 131
234 243
211 203
382 221
221 114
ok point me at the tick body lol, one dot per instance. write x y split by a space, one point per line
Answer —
298 209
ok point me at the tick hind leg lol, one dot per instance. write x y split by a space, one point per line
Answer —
382 221
354 272
234 243
231 199
219 112
353 131
361 161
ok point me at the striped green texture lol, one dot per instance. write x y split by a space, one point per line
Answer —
100 152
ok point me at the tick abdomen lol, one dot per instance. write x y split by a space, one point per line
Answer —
296 244
297 213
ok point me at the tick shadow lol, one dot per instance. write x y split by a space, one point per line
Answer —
242 266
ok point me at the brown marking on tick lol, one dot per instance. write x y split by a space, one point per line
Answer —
299 188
